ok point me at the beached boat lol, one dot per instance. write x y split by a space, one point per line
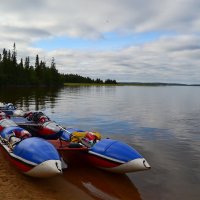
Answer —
40 125
8 108
78 146
33 156
111 155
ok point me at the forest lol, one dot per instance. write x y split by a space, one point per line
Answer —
14 73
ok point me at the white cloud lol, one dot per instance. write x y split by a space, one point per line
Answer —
174 59
168 59
90 18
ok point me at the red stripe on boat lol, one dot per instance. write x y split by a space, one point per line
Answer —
102 162
24 167
46 131
21 165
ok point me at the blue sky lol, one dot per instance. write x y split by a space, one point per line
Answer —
109 41
122 40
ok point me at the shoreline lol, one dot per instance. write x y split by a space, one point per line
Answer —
129 84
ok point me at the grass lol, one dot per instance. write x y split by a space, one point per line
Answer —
118 84
126 84
89 84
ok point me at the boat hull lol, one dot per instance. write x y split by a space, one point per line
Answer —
114 160
106 154
19 164
28 159
73 154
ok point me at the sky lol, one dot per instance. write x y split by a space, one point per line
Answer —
125 40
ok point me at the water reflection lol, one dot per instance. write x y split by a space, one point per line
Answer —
102 185
162 123
83 183
30 98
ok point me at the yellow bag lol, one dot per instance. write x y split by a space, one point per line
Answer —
77 136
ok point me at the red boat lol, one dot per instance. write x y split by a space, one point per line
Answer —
31 155
83 147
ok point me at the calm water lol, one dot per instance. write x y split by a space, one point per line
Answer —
162 123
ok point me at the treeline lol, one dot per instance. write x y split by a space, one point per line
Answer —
13 73
75 78
23 73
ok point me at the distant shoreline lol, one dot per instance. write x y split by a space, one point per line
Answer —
129 84
156 84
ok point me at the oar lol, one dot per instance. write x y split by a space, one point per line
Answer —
63 128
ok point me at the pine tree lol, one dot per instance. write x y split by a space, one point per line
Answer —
37 63
27 63
14 55
21 63
53 64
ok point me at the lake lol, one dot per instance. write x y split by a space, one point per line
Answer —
162 123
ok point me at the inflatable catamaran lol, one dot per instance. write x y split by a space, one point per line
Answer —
84 146
79 146
31 155
9 108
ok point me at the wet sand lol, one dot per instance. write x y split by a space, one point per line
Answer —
14 185
75 183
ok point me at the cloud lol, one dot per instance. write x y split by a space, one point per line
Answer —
174 59
92 18
171 57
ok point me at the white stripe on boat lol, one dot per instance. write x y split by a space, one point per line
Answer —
138 164
106 157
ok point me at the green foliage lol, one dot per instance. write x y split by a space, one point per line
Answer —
109 81
75 78
23 74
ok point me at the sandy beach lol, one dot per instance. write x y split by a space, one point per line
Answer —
14 185
74 184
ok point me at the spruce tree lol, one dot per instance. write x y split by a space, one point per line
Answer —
14 55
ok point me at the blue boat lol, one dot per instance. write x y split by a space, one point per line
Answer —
8 108
108 154
33 156
84 146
